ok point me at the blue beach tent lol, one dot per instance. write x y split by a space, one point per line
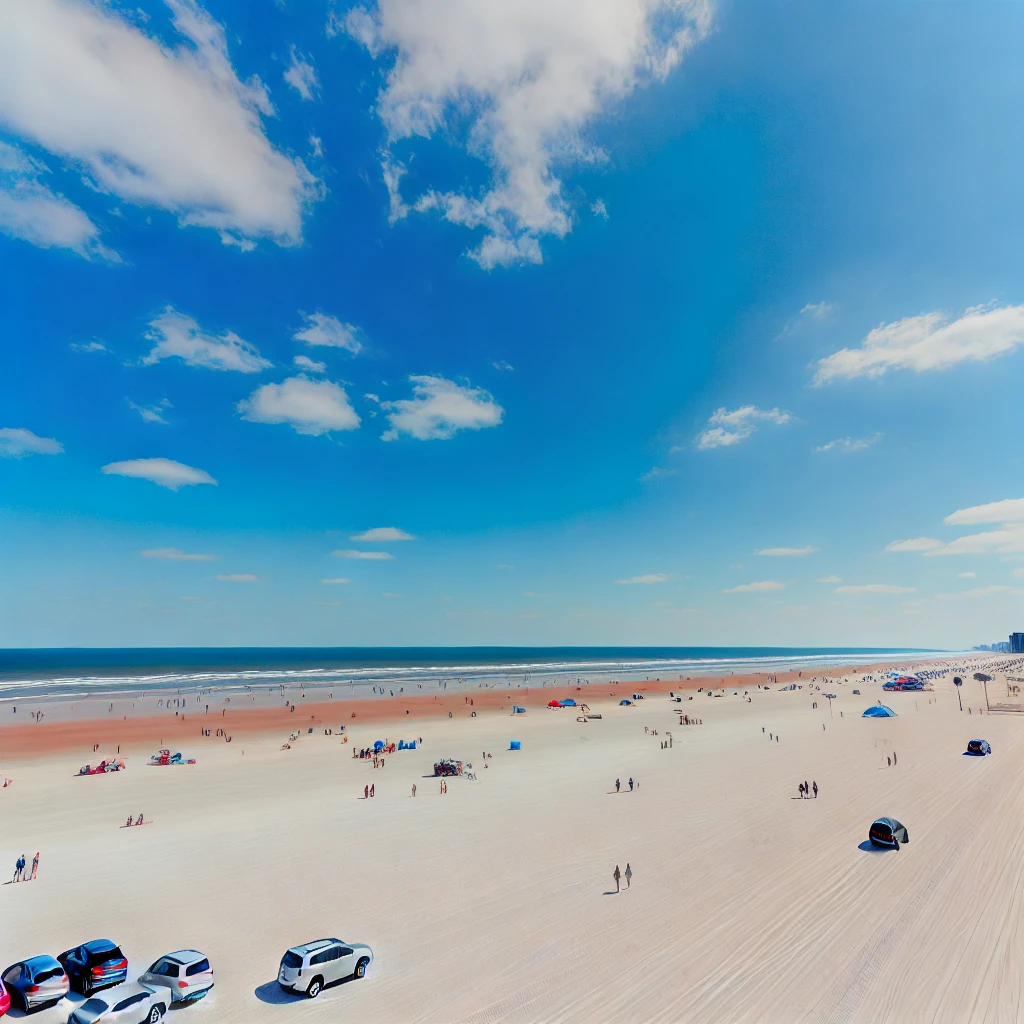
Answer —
879 711
624 703
515 745
568 703
378 745
516 710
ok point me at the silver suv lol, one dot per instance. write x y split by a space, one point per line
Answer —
312 966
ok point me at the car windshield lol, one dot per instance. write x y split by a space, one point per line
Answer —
167 968
94 1005
881 829
291 959
103 955
47 973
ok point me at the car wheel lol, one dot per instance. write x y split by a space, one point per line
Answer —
315 988
155 1015
895 844
360 971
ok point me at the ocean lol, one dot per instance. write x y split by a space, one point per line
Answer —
73 673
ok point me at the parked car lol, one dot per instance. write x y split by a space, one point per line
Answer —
96 964
186 975
310 967
5 999
887 832
638 696
125 1004
34 983
979 748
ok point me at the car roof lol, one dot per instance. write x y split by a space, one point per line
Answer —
891 822
184 956
312 947
99 945
979 741
41 961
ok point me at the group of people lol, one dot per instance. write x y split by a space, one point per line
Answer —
806 792
21 873
367 792
628 873
138 821
618 787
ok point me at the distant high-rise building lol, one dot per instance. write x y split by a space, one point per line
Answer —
1017 643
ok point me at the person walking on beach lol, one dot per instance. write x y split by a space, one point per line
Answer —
19 868
366 792
371 790
814 786
617 784
801 788
35 866
629 874
616 876
894 757
414 789
631 785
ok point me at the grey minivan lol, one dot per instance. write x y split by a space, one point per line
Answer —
312 966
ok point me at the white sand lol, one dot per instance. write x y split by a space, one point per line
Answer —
489 904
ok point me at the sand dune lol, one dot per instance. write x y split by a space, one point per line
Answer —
491 903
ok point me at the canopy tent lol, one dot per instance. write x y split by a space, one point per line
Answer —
879 711
516 710
624 703
378 745
567 703
515 745
553 704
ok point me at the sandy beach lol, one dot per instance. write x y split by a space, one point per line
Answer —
495 901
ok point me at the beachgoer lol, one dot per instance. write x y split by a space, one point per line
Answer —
814 786
888 761
35 866
631 785
616 876
617 784
19 868
894 757
371 790
629 874
801 788
366 792
139 822
128 822
414 789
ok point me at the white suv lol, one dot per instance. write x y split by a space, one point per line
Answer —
312 966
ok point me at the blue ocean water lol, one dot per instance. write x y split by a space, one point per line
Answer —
73 672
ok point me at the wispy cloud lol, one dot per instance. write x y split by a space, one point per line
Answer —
369 556
175 555
17 443
832 578
971 575
650 577
88 346
1011 510
931 341
301 75
874 588
501 364
382 535
758 587
598 208
439 409
849 444
179 336
151 413
992 590
727 428
787 552
310 365
330 332
818 310
914 544
164 472
657 473
335 580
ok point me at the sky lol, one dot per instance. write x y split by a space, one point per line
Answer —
681 322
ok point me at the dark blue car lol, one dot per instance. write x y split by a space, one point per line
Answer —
979 748
94 965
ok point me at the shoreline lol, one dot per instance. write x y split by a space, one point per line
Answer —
84 726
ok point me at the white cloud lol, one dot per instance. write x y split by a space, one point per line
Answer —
239 577
316 145
151 413
17 442
759 587
178 335
366 556
518 84
995 588
787 552
818 310
164 472
728 428
439 408
175 555
336 579
1009 511
656 473
500 364
874 588
914 544
88 346
932 341
321 329
310 365
173 128
301 75
33 212
382 535
971 575
849 444
651 577
832 578
598 208
308 406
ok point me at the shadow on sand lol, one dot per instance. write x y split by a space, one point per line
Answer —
273 993
869 847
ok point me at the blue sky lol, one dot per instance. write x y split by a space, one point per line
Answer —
625 321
